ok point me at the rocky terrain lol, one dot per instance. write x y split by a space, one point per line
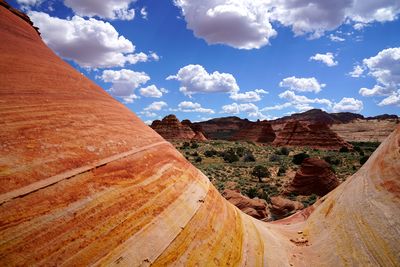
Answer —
85 182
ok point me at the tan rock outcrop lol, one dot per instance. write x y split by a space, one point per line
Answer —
256 208
281 207
85 182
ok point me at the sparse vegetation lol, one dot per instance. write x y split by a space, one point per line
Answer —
221 162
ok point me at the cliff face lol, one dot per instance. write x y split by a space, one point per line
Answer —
222 128
85 182
317 135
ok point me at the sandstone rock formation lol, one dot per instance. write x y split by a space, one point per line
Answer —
172 129
256 208
314 177
317 135
197 129
281 207
260 131
85 182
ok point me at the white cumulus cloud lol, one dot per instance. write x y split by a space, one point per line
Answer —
90 43
348 104
249 96
302 84
195 79
249 108
110 9
246 24
152 91
357 71
302 102
124 82
188 106
156 106
327 58
385 69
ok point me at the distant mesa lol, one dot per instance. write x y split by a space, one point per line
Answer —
171 128
316 135
260 131
315 176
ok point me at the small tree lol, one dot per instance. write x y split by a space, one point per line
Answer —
260 172
249 157
298 158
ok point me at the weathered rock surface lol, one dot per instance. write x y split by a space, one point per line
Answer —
371 130
197 129
281 207
256 208
317 135
171 128
314 177
260 131
85 182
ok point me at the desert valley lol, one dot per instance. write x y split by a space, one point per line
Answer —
84 181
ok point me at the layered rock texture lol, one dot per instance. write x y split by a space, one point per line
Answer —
172 129
85 182
314 177
317 135
256 208
260 131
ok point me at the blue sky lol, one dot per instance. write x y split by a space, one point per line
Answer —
253 59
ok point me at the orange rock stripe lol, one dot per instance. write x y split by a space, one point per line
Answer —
68 174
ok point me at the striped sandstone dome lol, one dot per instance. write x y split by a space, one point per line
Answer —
85 182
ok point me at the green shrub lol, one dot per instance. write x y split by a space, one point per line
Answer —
198 159
240 151
298 158
344 149
274 158
210 153
311 200
282 170
249 157
194 145
363 159
195 154
251 192
260 172
230 156
185 145
284 151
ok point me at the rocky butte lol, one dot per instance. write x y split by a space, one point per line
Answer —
76 191
171 128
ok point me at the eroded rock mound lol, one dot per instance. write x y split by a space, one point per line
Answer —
256 208
314 177
316 135
260 131
197 129
282 207
172 129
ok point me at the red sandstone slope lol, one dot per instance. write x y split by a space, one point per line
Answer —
296 133
84 182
